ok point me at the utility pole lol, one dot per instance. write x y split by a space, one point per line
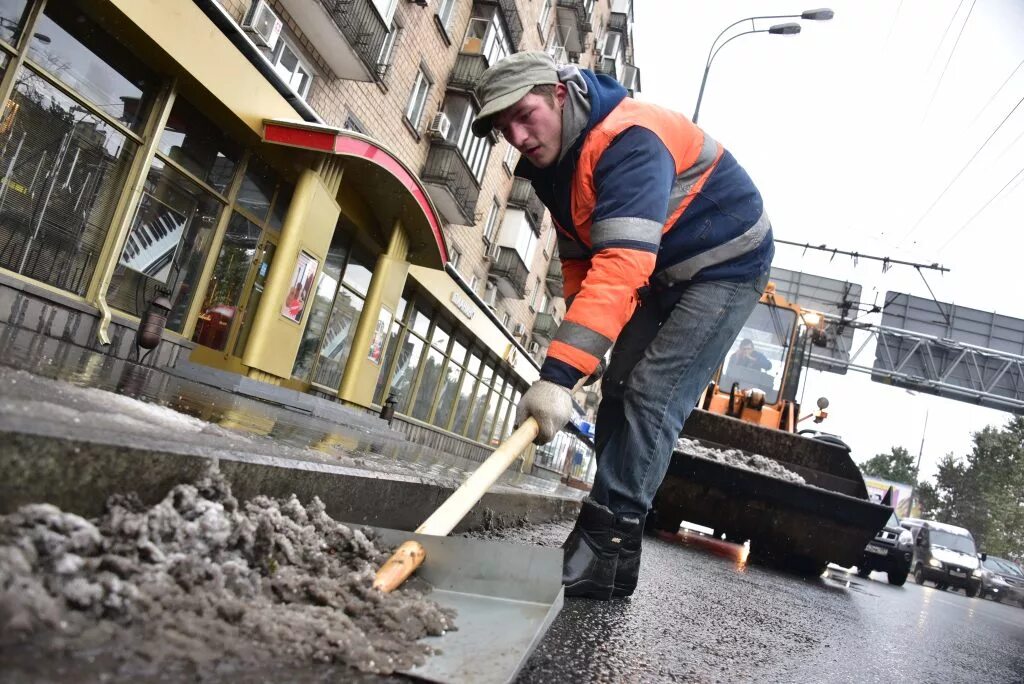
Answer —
917 468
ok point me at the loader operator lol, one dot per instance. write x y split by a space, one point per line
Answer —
665 250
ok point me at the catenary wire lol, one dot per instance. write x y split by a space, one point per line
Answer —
949 58
976 214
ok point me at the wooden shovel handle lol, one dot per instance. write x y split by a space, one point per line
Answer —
403 562
410 555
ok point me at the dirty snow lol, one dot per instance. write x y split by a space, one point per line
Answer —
739 459
203 579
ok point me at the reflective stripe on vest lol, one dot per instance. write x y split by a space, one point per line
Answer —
738 246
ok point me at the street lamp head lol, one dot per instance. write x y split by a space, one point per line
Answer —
790 29
822 14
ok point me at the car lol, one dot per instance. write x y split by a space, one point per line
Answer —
945 555
891 552
1002 580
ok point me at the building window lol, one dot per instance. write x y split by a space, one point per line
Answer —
612 41
506 317
181 204
486 35
65 165
386 9
545 301
291 68
444 12
511 157
536 294
387 50
526 241
491 225
417 99
542 19
455 258
354 124
475 151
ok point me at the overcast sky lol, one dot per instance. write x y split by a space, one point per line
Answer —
850 136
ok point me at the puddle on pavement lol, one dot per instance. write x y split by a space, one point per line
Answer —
54 359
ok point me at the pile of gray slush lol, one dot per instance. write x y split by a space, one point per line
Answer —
739 459
201 578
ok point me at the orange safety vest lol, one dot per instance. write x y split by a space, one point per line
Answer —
601 288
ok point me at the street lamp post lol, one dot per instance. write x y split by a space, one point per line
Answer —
787 29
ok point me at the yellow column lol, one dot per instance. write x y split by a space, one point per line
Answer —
308 227
389 275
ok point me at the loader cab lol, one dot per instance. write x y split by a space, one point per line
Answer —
944 555
759 376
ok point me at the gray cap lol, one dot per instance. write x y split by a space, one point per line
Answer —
509 81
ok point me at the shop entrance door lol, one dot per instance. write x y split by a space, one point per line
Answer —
236 287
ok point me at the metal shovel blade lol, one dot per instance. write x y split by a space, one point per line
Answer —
506 596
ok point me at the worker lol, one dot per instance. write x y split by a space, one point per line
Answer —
748 357
665 250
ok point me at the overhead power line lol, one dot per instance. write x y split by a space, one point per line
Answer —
978 213
942 75
998 90
959 173
887 262
931 62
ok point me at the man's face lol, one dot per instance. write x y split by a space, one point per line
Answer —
534 127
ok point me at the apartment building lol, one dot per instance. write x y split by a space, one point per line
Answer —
297 180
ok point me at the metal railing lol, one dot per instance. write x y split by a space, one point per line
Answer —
509 267
446 167
524 197
556 285
571 455
544 327
362 27
467 72
619 21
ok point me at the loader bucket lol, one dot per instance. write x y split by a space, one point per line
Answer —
800 526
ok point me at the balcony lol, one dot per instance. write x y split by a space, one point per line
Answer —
554 278
512 20
467 72
544 328
509 273
619 21
631 79
524 197
574 17
348 34
606 65
450 183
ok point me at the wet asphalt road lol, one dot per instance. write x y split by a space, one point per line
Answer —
702 614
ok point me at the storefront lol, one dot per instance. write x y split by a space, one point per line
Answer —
135 166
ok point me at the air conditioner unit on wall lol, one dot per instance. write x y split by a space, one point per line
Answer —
492 252
520 329
263 24
533 348
440 126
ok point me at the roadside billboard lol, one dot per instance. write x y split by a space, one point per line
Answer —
901 491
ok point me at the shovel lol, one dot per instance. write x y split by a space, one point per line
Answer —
411 554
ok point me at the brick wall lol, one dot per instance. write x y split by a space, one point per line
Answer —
380 107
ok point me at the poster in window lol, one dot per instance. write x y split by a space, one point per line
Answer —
380 337
300 287
154 239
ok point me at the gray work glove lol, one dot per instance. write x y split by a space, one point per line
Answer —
549 404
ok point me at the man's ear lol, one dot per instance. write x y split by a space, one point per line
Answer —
561 92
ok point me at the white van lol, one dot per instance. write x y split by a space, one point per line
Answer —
944 554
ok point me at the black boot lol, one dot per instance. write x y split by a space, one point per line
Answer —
630 530
591 551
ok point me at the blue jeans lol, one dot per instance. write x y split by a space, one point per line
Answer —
662 361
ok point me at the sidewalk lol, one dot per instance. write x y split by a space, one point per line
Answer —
77 426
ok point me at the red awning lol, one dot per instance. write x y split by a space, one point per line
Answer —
394 193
